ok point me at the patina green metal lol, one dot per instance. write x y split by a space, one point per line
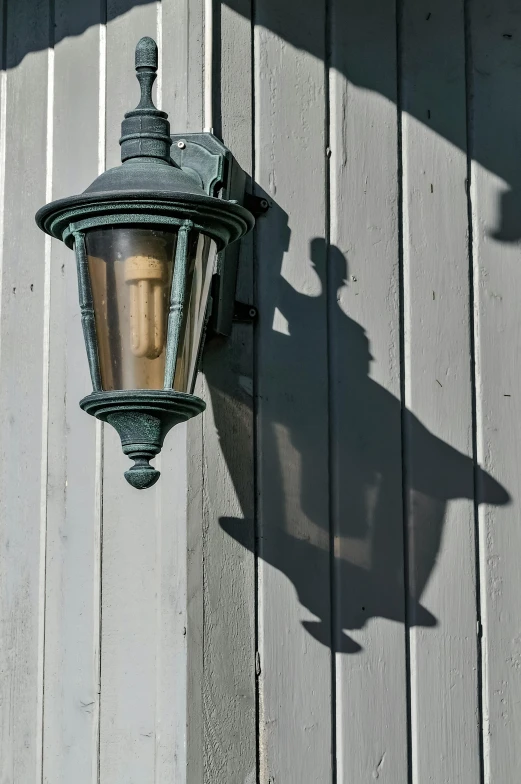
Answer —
87 311
220 220
145 131
150 188
218 172
177 301
142 419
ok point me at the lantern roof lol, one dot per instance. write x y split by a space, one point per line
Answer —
148 181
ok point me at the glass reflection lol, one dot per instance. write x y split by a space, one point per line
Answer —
201 262
131 271
131 276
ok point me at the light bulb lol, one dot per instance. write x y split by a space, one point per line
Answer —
146 277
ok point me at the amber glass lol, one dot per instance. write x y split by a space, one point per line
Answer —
131 272
131 276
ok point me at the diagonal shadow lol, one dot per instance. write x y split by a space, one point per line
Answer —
361 46
495 66
369 512
369 559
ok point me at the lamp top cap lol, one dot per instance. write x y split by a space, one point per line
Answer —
146 53
145 131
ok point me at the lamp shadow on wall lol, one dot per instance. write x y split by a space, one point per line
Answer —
367 508
371 527
368 562
494 63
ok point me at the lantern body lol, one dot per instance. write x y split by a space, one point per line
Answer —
149 298
130 273
146 235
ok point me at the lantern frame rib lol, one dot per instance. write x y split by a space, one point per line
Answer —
176 309
88 319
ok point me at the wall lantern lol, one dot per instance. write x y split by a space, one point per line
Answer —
148 236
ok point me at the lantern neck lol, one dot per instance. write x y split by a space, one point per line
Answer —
145 131
150 160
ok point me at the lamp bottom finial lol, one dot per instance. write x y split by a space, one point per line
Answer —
142 418
141 475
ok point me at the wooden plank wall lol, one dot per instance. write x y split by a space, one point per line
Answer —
364 306
495 199
229 685
438 465
94 629
323 586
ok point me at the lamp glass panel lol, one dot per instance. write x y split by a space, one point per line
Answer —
201 261
131 271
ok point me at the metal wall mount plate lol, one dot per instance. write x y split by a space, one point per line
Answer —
212 164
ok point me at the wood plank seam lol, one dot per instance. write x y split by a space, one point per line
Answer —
45 406
333 619
474 338
100 426
403 410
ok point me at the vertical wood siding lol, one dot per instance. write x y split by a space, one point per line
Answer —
23 393
292 397
323 586
72 594
229 697
495 201
438 464
365 411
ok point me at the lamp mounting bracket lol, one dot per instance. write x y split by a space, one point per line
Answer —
211 163
257 205
244 313
204 157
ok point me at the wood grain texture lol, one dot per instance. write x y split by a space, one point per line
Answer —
182 55
315 424
228 543
194 601
138 554
365 407
292 387
179 610
71 719
496 202
22 391
438 465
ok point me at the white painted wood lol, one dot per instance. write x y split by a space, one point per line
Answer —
181 53
182 601
179 93
23 395
366 492
292 384
143 541
181 47
171 631
495 194
71 726
438 398
194 601
229 569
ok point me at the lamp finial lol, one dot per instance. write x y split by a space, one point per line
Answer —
146 67
145 131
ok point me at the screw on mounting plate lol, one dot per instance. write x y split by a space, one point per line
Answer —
257 205
244 313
